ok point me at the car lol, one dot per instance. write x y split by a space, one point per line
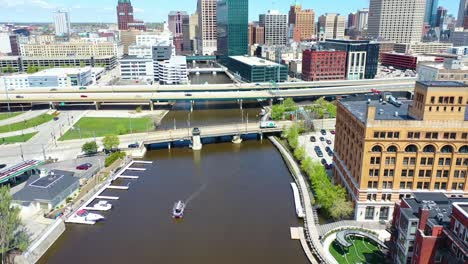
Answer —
84 166
317 148
313 139
330 153
196 131
328 149
323 132
134 145
19 96
322 139
323 161
327 166
56 118
2 166
333 132
83 96
188 94
257 84
328 142
320 154
53 89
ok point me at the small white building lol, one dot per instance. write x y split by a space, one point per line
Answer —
136 68
172 71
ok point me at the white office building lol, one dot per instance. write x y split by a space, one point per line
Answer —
136 68
362 17
5 44
331 26
207 28
62 23
276 27
400 21
172 71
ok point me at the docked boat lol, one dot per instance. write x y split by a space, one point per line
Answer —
103 206
87 216
178 210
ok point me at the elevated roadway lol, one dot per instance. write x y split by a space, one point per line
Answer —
212 87
146 97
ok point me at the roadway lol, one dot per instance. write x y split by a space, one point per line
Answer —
146 97
211 87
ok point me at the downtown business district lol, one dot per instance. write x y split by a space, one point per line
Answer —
403 158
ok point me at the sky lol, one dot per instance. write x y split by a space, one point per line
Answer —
157 10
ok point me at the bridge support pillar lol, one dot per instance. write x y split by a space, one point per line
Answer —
169 145
261 136
236 139
98 105
191 105
151 105
270 102
240 101
196 143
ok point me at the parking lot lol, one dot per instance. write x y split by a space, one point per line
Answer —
305 141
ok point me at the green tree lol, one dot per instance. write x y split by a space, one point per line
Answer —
289 105
299 153
89 147
341 209
277 112
139 109
12 233
111 142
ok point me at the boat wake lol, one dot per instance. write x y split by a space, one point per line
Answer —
196 193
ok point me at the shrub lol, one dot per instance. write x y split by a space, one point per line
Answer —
113 157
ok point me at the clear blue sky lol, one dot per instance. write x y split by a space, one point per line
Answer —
157 10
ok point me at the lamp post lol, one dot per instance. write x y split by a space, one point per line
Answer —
7 96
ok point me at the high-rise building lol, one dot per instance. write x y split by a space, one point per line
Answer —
193 32
431 12
362 57
386 147
302 21
178 22
352 19
440 17
256 34
207 31
396 20
125 18
276 27
232 27
331 26
462 14
62 23
362 17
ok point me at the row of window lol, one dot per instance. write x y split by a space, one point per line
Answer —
421 173
427 149
423 162
408 185
446 100
417 135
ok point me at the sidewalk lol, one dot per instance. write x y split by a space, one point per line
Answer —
24 116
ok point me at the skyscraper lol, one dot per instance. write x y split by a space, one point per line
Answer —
431 12
441 17
125 17
193 31
302 20
207 33
352 19
178 22
396 20
276 27
232 27
463 14
362 17
62 23
331 26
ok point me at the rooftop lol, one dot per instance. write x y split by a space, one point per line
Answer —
254 61
451 84
62 71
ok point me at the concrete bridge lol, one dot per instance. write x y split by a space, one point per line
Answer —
201 70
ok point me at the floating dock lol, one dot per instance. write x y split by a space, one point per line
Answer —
136 169
96 209
107 197
143 162
129 177
116 187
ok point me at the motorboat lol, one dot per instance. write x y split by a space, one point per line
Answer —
103 206
178 210
87 216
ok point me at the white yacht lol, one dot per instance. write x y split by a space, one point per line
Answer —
103 206
87 216
178 210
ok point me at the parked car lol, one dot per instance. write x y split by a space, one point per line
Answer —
323 132
56 118
322 139
53 89
327 166
320 154
323 161
333 132
83 96
313 139
84 166
330 153
19 96
2 166
327 149
328 142
134 145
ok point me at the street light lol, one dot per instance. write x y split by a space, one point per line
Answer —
7 96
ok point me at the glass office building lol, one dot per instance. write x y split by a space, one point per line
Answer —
232 24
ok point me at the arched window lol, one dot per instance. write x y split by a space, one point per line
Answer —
377 149
463 149
411 148
392 149
429 149
446 149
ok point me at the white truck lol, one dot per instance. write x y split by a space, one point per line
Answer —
268 124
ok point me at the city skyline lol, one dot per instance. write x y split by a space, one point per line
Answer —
104 11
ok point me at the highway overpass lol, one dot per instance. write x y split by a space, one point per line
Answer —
211 87
147 97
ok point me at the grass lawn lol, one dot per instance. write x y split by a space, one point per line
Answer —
363 250
9 115
102 126
39 120
17 139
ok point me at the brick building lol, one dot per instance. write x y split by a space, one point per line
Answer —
320 65
406 61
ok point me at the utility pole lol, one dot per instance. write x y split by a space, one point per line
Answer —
7 95
22 155
43 152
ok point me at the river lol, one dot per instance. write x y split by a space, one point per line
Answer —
240 210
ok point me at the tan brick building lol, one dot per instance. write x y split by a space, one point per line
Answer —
386 149
303 21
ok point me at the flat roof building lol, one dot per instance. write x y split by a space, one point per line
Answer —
254 69
449 70
422 47
387 147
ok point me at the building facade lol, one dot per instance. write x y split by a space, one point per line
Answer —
136 68
256 70
179 23
66 49
362 57
396 20
386 148
462 14
232 27
125 17
193 32
422 47
303 21
362 18
207 38
276 27
331 26
322 65
449 70
406 61
430 12
62 23
172 71
430 228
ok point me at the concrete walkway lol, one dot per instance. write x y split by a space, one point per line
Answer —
24 116
376 226
311 231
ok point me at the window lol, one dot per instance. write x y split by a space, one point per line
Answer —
392 149
374 173
414 135
390 160
387 185
377 149
384 212
432 135
463 150
447 149
370 212
375 160
411 148
389 173
450 135
429 149
464 136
